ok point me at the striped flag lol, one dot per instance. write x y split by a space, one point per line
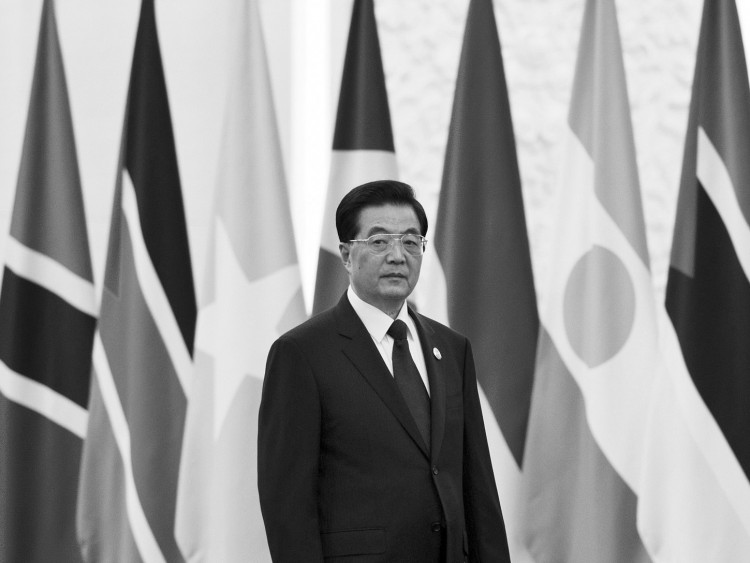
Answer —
253 295
479 279
47 323
705 514
362 143
142 349
598 348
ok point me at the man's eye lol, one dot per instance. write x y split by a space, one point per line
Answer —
379 242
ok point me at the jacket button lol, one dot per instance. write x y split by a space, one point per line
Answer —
435 470
436 526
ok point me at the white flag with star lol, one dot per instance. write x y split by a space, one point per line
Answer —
253 294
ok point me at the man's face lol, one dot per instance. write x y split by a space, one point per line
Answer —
384 281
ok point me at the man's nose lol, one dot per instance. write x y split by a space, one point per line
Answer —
395 251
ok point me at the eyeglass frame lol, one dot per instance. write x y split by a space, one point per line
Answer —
393 237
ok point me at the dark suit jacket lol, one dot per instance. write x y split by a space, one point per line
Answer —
343 474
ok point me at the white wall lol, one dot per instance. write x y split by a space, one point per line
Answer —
421 42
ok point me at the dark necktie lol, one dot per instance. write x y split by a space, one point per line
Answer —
409 381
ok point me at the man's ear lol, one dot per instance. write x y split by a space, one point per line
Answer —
345 252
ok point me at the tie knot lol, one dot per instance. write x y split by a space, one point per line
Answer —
397 330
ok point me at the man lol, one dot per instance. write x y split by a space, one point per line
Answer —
369 449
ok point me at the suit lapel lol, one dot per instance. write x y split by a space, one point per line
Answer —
359 348
435 374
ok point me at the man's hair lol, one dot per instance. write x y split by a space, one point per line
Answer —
374 194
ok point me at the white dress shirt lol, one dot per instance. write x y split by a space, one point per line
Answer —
377 324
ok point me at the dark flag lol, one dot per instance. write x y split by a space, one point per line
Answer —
482 277
708 292
708 295
47 323
142 362
362 143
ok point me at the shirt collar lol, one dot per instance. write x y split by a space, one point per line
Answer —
376 321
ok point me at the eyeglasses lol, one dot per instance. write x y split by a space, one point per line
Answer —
382 242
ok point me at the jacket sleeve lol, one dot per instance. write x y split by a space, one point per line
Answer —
485 526
288 452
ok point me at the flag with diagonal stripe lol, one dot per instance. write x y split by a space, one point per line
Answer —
47 323
701 411
252 295
142 349
479 279
598 353
362 143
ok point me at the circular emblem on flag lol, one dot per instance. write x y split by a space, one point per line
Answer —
599 306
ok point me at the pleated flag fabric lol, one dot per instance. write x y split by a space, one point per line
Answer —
598 349
479 279
47 323
362 143
142 361
252 295
696 488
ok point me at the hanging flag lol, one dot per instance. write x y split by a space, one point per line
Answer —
253 295
598 347
479 280
362 144
47 323
704 515
142 349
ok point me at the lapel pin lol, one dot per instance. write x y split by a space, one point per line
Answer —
437 353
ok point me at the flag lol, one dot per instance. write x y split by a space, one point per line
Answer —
362 143
598 348
142 349
705 514
47 323
479 279
253 295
